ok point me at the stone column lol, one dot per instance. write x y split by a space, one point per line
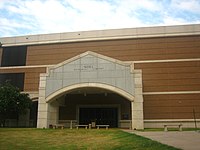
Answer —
137 104
53 113
42 121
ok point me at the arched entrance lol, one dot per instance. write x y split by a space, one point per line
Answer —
87 105
89 76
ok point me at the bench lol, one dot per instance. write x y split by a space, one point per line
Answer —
58 126
173 125
102 126
77 126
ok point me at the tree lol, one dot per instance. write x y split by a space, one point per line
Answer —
12 101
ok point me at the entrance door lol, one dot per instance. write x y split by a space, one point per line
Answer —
102 116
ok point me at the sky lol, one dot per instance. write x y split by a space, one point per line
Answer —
28 17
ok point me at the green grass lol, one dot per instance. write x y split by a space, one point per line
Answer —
19 138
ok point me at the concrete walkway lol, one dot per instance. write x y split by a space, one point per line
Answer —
186 140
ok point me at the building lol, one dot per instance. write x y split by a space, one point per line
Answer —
127 78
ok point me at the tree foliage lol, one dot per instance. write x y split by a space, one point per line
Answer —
12 101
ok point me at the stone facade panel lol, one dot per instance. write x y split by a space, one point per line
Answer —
90 68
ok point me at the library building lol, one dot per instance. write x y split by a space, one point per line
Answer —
131 78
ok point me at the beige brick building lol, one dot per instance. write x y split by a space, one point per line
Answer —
128 78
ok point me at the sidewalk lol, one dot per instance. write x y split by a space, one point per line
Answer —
186 140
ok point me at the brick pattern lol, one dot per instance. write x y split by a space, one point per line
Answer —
170 76
31 80
157 77
171 106
125 50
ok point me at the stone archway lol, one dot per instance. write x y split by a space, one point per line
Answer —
90 85
69 103
90 70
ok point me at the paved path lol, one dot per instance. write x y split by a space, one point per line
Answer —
186 140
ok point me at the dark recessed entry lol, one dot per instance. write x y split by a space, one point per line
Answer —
102 116
33 113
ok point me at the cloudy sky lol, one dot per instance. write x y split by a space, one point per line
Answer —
22 17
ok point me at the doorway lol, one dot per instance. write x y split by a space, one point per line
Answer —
102 116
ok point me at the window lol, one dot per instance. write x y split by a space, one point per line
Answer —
16 79
14 56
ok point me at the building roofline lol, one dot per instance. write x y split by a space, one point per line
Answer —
98 35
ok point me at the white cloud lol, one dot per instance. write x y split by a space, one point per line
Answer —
167 20
47 16
187 5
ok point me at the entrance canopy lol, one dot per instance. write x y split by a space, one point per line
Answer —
89 86
90 70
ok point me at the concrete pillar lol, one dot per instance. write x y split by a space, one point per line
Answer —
137 115
43 107
43 110
53 113
137 104
47 114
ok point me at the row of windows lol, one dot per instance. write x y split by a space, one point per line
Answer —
13 56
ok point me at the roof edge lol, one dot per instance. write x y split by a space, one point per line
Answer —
97 35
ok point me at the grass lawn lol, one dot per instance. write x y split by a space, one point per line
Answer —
26 138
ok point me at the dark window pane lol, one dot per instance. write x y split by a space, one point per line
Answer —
14 56
16 79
